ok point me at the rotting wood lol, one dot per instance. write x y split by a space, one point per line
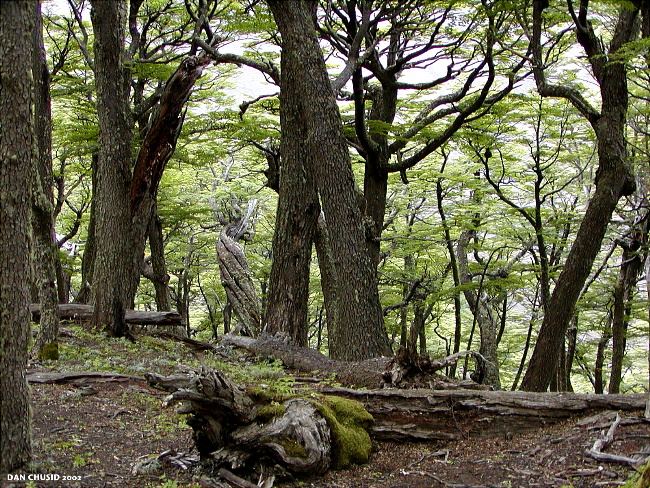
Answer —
402 370
83 313
423 415
240 428
57 377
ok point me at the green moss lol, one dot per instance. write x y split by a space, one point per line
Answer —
349 423
640 479
265 413
290 446
49 351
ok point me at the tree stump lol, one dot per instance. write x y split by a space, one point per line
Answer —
242 429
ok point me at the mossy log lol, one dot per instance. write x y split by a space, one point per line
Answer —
240 430
424 414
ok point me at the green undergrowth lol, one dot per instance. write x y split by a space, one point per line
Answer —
640 479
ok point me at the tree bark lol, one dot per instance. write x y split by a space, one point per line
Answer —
298 206
320 129
17 173
157 148
632 262
614 179
113 263
159 275
45 251
236 280
482 314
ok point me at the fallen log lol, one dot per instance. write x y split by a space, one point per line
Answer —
83 313
59 377
403 370
422 415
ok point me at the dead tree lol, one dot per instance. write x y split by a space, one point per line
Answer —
235 273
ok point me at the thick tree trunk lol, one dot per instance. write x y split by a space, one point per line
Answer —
45 252
113 263
17 144
614 179
298 206
321 131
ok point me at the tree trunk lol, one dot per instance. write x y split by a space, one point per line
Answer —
236 429
45 252
113 263
327 158
298 206
85 294
454 270
157 148
631 266
614 179
159 275
17 145
327 277
236 280
482 314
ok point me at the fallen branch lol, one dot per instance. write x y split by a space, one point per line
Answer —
605 440
403 370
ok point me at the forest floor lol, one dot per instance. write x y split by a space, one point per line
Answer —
101 433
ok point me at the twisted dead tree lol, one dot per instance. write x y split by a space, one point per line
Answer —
235 273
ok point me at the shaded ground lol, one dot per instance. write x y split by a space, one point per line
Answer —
98 431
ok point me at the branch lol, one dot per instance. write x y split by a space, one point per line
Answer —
546 89
266 67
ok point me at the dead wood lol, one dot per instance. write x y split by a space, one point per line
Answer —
56 377
83 313
605 440
404 370
233 429
425 414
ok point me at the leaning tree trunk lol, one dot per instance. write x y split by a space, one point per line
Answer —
614 180
112 267
45 250
157 148
17 24
318 128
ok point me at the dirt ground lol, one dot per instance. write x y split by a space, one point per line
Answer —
97 432
102 434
